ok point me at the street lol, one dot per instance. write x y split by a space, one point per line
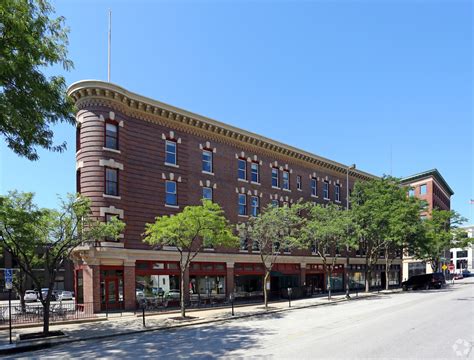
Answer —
431 324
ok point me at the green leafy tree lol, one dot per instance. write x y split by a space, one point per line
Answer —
190 231
44 238
275 230
30 102
326 231
441 228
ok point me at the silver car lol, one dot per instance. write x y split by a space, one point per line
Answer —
65 295
30 295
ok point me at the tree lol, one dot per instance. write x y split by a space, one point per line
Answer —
30 102
44 238
440 233
272 231
383 217
326 230
190 231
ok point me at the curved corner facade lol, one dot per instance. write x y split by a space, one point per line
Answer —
138 158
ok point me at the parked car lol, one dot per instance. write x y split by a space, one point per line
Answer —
158 292
65 295
425 281
31 295
139 295
458 276
466 273
174 294
54 295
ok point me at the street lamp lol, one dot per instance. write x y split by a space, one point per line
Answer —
290 291
349 168
231 298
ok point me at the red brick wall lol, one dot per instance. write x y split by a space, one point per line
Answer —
129 287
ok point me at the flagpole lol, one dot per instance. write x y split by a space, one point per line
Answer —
110 45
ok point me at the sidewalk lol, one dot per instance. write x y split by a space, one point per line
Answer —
130 323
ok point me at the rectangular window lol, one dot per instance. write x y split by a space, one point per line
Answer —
207 161
207 193
337 191
298 182
78 138
255 172
170 149
244 244
78 181
242 204
255 205
275 203
461 254
423 189
314 188
111 136
286 180
111 182
326 190
275 177
411 192
255 245
242 171
108 218
171 193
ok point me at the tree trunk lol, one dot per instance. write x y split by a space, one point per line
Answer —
22 302
265 291
329 284
46 317
181 300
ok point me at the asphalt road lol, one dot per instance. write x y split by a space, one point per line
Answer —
429 324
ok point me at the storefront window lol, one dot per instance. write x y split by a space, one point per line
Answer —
252 284
207 285
111 287
337 281
393 278
357 280
156 286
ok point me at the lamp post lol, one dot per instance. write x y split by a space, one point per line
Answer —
231 297
349 168
290 291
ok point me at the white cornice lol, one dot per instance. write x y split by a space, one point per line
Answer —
101 92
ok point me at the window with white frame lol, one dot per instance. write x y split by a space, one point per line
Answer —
207 161
326 189
275 177
170 149
207 193
242 169
242 204
171 193
255 172
423 189
314 187
286 180
254 206
275 203
337 192
298 182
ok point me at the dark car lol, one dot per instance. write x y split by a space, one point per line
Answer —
425 281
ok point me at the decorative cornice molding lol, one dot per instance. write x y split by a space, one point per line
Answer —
98 93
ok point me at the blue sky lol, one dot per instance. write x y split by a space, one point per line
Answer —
353 81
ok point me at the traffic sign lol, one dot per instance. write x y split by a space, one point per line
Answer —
451 267
444 267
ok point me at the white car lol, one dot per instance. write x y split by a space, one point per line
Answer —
65 295
30 295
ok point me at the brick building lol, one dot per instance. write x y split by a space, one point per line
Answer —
431 187
138 158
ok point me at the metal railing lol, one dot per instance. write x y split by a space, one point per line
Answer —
33 313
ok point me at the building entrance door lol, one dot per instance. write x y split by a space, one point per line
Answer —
112 292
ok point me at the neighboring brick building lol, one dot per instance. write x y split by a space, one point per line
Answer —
431 187
138 158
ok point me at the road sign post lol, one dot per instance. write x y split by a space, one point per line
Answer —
9 285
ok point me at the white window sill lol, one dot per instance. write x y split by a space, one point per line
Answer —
288 190
244 216
169 248
172 165
338 201
255 251
209 249
111 150
315 254
327 199
172 206
207 172
242 180
255 183
275 187
112 197
299 189
287 253
315 196
243 250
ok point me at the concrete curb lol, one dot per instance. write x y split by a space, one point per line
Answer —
38 345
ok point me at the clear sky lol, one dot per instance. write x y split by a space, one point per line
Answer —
353 81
